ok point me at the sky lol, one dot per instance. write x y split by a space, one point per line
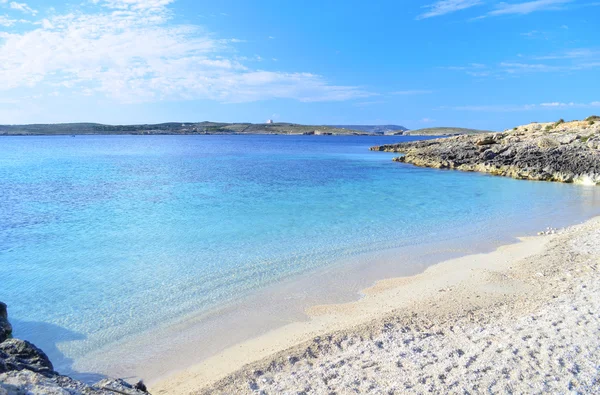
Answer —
472 63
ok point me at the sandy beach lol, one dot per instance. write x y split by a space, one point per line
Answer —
523 318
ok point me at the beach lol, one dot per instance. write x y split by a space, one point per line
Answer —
523 318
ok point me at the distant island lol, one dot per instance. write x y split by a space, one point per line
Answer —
192 128
377 129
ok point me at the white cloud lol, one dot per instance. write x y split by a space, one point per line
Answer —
6 21
514 67
130 51
444 7
135 4
528 7
23 7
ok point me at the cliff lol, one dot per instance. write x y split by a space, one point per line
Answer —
557 151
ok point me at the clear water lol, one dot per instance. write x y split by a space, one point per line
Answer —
104 237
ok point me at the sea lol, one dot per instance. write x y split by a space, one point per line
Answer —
106 240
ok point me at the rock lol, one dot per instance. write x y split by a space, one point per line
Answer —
18 354
567 138
562 155
140 386
547 143
119 386
593 144
25 382
25 369
5 327
489 154
487 140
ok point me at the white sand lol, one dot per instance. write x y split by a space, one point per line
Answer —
524 318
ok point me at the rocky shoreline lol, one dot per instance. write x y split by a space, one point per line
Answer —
25 369
560 151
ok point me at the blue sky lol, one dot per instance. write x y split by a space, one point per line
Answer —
473 63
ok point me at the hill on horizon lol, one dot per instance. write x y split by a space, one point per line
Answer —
205 127
372 128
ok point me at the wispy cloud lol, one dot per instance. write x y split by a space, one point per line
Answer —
571 54
23 7
6 21
522 107
570 60
444 7
135 5
528 7
131 51
571 104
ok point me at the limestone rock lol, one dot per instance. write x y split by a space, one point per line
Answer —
5 327
18 354
25 370
533 152
26 382
567 138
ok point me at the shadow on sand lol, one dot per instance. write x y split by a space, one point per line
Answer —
47 337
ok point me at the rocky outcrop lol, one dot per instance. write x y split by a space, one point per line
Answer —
25 382
18 354
563 152
5 327
25 369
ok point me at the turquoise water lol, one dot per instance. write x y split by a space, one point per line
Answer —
104 237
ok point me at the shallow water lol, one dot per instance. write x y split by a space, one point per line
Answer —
103 238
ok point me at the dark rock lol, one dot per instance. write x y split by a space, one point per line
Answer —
25 369
27 382
489 155
119 386
18 354
140 386
5 327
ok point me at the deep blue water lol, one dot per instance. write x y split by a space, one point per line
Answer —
102 237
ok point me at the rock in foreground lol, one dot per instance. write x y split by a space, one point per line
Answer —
25 369
5 327
561 151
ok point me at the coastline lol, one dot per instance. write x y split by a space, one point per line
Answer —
476 282
160 352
